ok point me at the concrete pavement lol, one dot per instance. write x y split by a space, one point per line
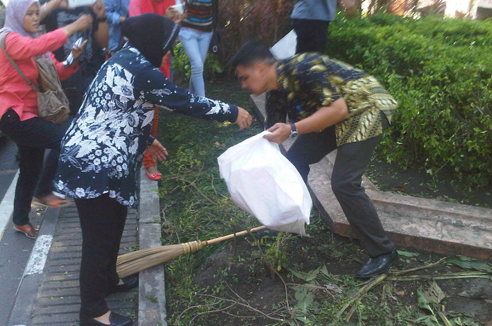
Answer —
48 293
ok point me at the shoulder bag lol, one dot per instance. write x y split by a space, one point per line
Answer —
53 104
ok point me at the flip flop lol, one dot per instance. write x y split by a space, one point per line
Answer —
51 201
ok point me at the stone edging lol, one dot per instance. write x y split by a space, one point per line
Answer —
152 285
422 223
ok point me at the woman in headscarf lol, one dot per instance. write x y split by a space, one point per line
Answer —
19 106
102 152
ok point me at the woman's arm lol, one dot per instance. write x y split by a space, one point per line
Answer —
22 47
158 90
64 72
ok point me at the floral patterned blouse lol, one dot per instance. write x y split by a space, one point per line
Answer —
310 81
103 148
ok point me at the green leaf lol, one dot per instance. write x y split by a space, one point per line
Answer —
407 253
308 277
304 300
422 302
311 275
470 263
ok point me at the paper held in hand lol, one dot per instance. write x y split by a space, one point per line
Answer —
286 47
264 183
80 3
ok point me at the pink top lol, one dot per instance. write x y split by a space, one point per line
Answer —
15 93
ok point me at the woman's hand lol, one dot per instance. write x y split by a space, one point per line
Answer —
244 119
179 18
81 24
157 151
77 52
279 133
171 13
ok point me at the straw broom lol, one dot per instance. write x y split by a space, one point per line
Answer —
137 261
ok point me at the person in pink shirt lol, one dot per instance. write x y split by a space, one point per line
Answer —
19 118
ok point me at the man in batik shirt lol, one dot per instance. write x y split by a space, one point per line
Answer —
332 106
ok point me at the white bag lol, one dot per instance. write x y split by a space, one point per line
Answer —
264 183
286 47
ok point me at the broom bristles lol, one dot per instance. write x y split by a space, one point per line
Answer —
133 263
137 261
134 266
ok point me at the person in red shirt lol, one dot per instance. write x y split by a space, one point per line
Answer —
19 118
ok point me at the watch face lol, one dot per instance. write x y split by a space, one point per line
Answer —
293 130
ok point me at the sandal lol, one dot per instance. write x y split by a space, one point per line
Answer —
51 200
30 231
154 176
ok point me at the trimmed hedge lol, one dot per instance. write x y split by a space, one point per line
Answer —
440 71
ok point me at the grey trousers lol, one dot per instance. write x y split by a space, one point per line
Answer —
351 163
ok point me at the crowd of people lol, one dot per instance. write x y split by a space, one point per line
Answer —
121 74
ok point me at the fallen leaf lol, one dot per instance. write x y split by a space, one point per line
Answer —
400 188
219 144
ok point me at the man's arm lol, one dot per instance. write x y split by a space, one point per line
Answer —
324 117
102 34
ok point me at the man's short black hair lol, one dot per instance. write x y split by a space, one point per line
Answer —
251 52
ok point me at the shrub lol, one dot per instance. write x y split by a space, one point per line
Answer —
439 71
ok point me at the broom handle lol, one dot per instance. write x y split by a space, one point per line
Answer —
230 236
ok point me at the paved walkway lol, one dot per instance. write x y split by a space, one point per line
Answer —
48 293
56 299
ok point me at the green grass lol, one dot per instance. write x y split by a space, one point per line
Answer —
305 281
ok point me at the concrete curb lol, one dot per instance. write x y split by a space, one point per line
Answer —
31 279
422 223
152 285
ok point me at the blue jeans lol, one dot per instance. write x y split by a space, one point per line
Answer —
196 43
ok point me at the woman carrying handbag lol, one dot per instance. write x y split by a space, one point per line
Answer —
19 118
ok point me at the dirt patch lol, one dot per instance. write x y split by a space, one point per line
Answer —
238 288
417 182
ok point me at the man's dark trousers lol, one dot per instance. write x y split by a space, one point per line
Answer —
350 164
312 35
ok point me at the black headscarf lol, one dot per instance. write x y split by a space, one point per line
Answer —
153 35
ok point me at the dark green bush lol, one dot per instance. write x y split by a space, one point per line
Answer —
440 72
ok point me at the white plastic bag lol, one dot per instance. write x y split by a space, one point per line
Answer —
285 47
264 183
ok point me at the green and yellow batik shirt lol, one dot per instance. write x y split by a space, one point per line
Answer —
309 81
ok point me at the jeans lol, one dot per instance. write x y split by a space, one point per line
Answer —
346 182
32 137
102 221
196 43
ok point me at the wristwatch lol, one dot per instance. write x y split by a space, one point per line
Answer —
101 19
293 130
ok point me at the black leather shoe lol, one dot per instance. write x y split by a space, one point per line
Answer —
378 265
129 283
114 319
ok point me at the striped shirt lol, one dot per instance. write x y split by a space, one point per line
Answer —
200 15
